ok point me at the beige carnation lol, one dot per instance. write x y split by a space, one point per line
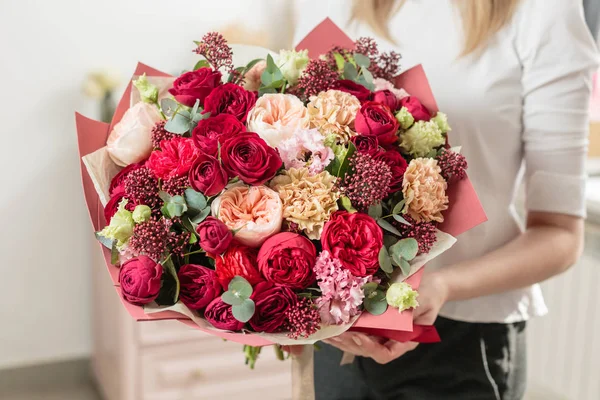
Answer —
308 200
333 112
424 190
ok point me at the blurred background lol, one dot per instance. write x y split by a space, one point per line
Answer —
63 332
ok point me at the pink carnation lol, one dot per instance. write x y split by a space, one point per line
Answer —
305 149
341 292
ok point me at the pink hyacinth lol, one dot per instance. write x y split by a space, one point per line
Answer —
341 292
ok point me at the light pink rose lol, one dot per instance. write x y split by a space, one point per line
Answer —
275 117
252 77
382 84
254 213
131 139
306 149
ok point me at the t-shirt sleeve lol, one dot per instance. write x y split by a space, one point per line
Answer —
558 57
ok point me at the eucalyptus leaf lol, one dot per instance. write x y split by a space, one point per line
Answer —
370 287
432 154
253 63
401 219
244 311
385 263
350 71
346 163
231 299
375 307
271 67
406 248
398 207
266 90
266 78
195 108
388 227
175 209
389 240
193 239
362 60
201 64
106 242
178 124
187 224
375 211
368 77
195 200
165 211
347 204
405 267
240 287
396 258
164 196
168 106
170 267
202 216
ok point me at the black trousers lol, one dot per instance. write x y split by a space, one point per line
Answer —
473 362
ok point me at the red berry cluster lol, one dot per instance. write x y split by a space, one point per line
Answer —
316 78
423 232
142 187
367 182
150 238
215 49
303 319
159 133
453 165
176 185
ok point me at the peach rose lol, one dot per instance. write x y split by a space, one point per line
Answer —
424 190
131 139
276 116
252 77
254 213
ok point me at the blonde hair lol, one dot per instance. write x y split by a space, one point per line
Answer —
481 18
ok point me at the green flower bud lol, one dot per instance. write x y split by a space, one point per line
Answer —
148 91
141 213
402 296
405 118
441 120
421 138
121 225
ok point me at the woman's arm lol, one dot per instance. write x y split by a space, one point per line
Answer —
550 245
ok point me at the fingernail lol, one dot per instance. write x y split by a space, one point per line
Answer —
357 340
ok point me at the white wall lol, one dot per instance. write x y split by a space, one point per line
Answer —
46 48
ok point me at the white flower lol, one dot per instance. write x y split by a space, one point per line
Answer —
292 63
131 139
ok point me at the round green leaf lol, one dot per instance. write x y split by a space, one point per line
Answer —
175 210
240 287
405 267
389 240
375 211
202 216
370 287
406 248
362 60
384 260
376 307
231 299
244 311
195 200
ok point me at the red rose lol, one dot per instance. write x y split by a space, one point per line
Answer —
214 130
288 259
118 182
248 156
207 175
387 98
175 158
272 302
237 260
355 89
398 165
377 120
231 99
366 144
195 85
198 286
214 235
354 239
220 316
415 108
140 280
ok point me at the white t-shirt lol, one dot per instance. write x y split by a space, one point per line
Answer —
520 108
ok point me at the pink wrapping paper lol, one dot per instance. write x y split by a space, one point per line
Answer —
465 211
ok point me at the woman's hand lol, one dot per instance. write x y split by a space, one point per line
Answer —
433 293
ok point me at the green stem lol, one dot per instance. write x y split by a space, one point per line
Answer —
194 252
387 216
279 352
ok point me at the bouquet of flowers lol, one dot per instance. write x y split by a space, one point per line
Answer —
277 200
